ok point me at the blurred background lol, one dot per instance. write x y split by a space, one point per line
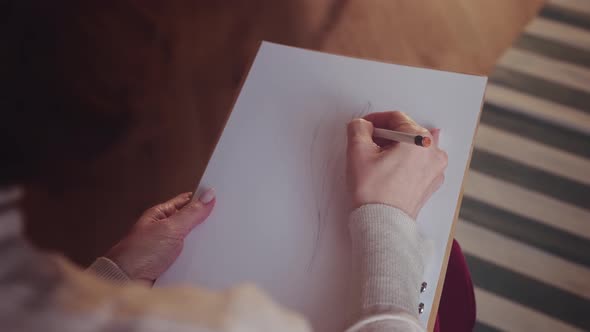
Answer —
112 106
525 220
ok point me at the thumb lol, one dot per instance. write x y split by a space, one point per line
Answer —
410 126
194 212
166 209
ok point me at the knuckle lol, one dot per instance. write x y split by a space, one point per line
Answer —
152 211
194 210
356 122
444 157
194 206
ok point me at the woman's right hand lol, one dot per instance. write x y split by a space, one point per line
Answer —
397 174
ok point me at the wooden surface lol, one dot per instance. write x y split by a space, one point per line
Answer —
173 69
457 35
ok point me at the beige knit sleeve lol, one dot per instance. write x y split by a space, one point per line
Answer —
108 270
388 258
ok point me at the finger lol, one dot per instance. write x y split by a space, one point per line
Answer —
444 159
360 134
435 135
396 120
360 131
194 212
168 208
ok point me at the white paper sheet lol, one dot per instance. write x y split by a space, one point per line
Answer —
278 169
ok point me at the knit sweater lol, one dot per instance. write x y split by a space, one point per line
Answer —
43 292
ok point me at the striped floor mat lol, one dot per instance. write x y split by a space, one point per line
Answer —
525 218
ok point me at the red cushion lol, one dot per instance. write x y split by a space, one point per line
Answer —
456 312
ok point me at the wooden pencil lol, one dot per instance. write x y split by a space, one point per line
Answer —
402 137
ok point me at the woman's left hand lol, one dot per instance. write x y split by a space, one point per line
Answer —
156 239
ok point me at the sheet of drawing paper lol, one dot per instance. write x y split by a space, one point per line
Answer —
279 171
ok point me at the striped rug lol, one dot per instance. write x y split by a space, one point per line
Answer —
525 219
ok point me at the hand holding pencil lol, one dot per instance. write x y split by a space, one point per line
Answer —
383 168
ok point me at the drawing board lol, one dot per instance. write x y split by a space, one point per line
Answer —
280 219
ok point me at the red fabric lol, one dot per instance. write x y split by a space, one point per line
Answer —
456 312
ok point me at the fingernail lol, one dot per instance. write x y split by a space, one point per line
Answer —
207 196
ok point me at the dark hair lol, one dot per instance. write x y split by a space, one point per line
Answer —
50 110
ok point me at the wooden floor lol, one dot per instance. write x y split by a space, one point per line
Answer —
170 72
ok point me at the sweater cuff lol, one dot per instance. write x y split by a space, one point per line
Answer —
388 254
108 270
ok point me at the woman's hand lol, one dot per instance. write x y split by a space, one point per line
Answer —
156 239
397 174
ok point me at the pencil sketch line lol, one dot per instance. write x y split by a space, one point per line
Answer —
324 178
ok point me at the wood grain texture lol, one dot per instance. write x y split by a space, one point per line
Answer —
175 67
